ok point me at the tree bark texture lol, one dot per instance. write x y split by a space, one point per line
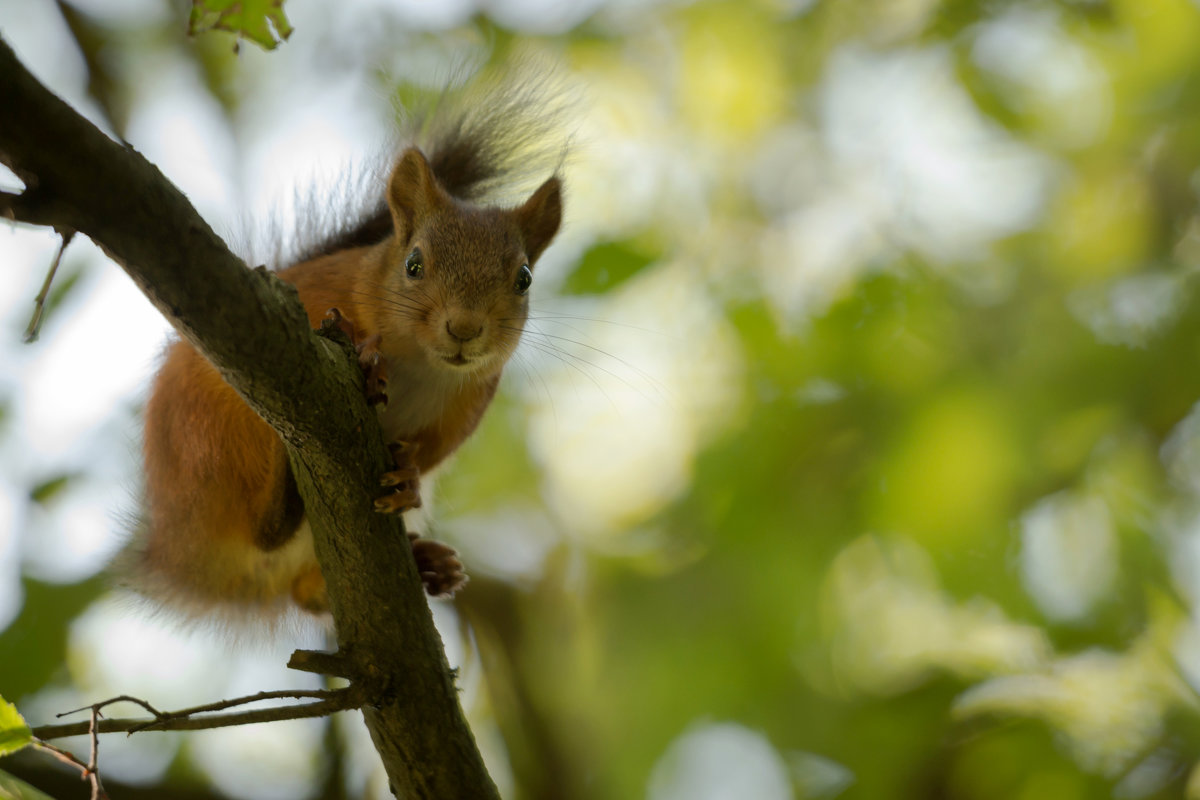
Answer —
251 326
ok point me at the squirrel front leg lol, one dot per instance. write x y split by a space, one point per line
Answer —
438 564
404 478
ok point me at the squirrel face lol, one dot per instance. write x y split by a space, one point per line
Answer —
457 274
466 279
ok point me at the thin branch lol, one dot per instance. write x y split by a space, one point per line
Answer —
124 698
91 770
93 766
39 302
280 694
64 756
87 772
331 700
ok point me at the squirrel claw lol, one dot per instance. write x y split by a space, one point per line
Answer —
405 478
370 360
334 318
398 476
403 452
399 501
374 368
439 566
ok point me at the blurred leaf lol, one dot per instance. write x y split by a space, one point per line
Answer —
481 481
1103 224
261 21
64 284
605 267
47 490
950 470
732 85
40 632
218 65
104 85
13 788
14 732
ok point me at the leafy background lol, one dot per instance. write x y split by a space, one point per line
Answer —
853 451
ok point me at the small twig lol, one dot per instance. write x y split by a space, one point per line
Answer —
93 767
124 698
91 770
322 663
62 755
86 771
39 303
328 702
221 705
163 716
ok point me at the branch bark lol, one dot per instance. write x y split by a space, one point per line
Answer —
252 327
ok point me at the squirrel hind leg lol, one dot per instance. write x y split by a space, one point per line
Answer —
282 517
309 591
438 564
404 481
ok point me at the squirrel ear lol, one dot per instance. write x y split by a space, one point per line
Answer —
413 192
540 217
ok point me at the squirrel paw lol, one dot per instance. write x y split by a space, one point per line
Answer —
404 481
441 571
309 591
370 360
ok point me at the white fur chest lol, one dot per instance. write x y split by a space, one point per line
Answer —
417 399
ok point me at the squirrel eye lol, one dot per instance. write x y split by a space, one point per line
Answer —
524 279
413 267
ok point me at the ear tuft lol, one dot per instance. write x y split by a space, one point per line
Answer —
540 217
413 192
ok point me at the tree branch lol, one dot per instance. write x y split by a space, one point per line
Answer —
39 303
188 719
251 326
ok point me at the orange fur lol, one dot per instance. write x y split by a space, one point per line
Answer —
222 514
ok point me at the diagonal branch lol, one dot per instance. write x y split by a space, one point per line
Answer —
39 303
253 329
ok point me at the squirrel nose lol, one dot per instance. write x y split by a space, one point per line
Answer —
464 330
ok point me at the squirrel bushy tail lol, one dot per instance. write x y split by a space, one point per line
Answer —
486 141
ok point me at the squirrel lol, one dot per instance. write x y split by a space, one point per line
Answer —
432 287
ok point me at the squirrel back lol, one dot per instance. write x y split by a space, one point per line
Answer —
432 287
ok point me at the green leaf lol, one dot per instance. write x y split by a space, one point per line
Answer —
16 789
605 267
39 633
14 733
47 490
261 21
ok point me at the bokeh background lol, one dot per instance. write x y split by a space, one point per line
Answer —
853 450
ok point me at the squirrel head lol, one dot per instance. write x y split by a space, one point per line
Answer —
459 274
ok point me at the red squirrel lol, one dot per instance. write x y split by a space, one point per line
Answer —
433 291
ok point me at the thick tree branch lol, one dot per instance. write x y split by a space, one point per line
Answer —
253 329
